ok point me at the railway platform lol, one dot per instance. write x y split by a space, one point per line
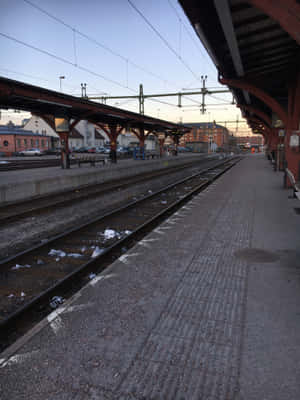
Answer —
30 183
205 307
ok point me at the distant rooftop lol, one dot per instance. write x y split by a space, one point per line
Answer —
16 130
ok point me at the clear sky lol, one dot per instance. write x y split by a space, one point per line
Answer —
109 46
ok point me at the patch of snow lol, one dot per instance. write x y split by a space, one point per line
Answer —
127 232
4 162
11 295
92 275
18 266
97 252
164 202
110 234
59 253
23 294
75 255
40 262
83 249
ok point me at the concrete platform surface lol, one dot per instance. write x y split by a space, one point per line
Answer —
205 307
29 183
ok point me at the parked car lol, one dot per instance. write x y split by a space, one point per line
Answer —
184 149
32 152
100 149
91 149
80 150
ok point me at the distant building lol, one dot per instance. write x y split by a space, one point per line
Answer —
248 141
216 136
85 134
14 139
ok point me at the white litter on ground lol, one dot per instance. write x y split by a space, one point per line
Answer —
111 234
97 252
18 266
75 255
59 253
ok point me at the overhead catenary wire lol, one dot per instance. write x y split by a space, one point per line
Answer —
191 36
163 39
99 44
65 61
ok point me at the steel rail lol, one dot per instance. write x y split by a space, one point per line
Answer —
69 284
28 208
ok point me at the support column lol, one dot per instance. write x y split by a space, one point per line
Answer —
292 155
65 153
113 133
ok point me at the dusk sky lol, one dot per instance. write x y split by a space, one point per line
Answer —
109 46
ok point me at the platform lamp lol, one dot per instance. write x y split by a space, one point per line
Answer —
60 79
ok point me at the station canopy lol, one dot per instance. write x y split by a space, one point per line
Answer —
44 102
244 42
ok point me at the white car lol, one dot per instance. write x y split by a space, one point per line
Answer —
32 152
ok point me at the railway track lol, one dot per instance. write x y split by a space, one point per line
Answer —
46 204
29 164
62 265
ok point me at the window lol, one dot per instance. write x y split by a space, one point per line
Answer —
31 142
25 142
37 142
5 143
43 143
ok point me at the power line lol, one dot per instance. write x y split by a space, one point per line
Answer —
96 42
163 39
66 61
188 32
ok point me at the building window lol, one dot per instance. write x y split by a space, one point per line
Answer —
5 143
43 143
37 142
25 142
31 142
19 142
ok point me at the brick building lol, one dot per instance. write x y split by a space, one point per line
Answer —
254 140
13 139
207 133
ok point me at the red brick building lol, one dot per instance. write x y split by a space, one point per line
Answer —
254 140
207 132
14 139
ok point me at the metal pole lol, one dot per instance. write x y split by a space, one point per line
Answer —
141 100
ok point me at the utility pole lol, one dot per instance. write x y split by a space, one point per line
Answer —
203 91
83 90
60 79
141 100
